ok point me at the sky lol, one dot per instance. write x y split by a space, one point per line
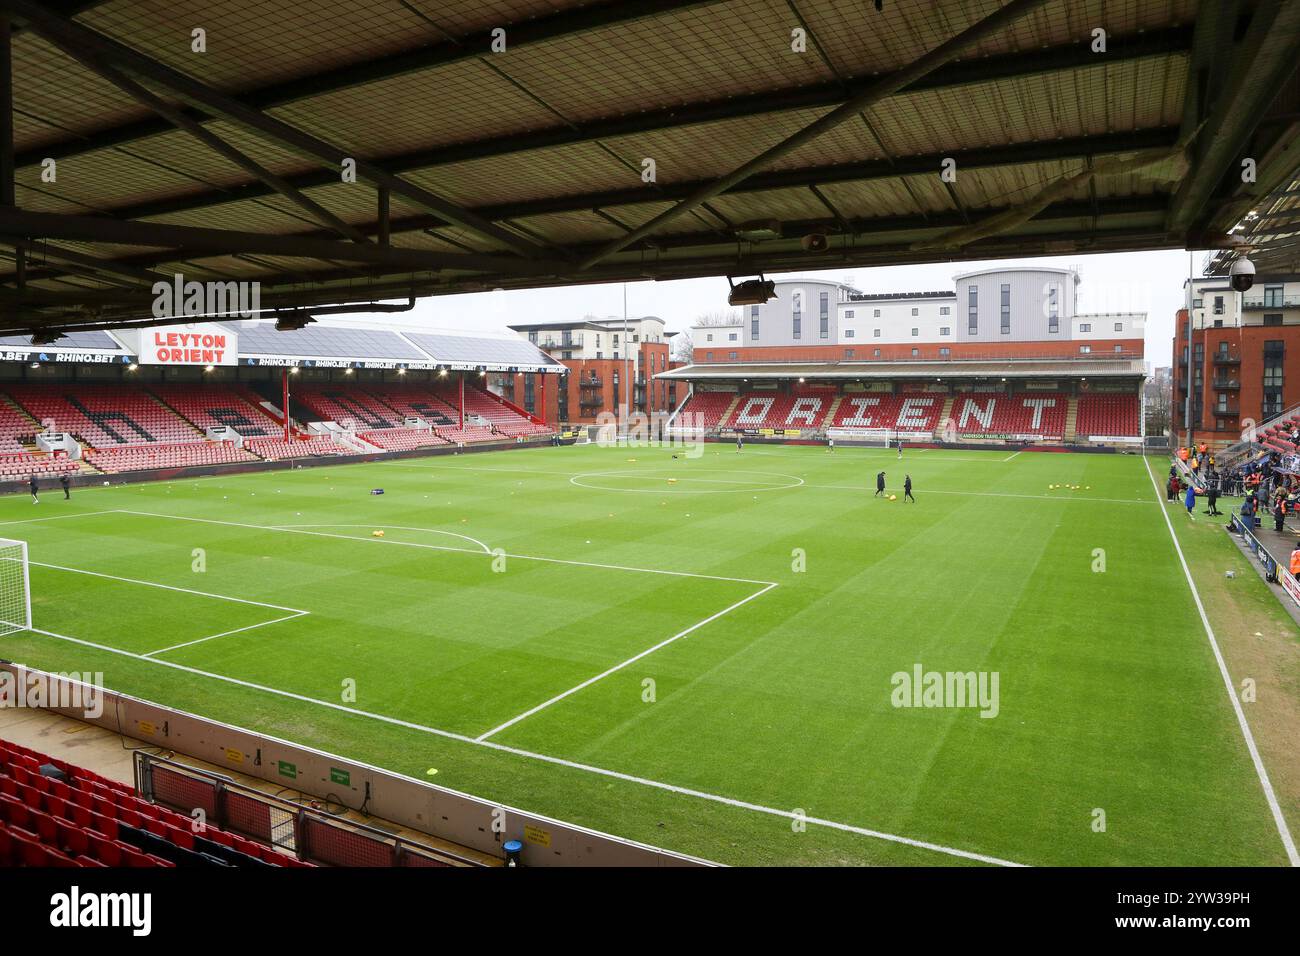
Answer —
1150 282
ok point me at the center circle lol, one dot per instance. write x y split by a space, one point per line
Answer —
749 483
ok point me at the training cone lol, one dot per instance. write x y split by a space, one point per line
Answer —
893 497
377 534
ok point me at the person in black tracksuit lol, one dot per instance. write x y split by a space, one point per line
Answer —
1212 495
66 482
31 483
880 484
907 489
740 441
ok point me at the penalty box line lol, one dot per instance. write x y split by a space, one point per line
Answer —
442 547
545 758
618 667
294 612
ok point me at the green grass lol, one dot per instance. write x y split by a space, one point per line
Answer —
1110 698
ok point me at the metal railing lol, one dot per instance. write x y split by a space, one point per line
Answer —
1270 302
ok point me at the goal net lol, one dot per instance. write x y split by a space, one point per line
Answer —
15 591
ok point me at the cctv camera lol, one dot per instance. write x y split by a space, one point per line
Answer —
814 242
1242 274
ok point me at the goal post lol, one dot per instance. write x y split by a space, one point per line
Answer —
15 587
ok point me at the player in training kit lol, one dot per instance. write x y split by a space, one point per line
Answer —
900 449
830 443
740 441
907 489
31 483
880 485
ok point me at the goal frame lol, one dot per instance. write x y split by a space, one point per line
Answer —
7 626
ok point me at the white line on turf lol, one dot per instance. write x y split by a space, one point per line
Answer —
167 587
77 514
1287 842
438 547
388 527
618 667
994 494
213 637
559 761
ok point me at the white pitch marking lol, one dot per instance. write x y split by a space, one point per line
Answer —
749 485
618 667
78 514
1287 842
993 494
559 761
213 637
391 527
437 547
168 587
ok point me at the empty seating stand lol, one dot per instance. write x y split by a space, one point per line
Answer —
403 439
122 458
1108 415
903 412
1022 414
212 406
277 449
104 415
704 410
90 821
774 409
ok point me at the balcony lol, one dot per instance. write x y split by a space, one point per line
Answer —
1225 384
1260 302
1225 358
1226 411
591 383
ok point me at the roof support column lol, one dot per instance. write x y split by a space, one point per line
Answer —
7 194
460 402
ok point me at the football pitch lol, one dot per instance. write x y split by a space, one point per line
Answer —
715 655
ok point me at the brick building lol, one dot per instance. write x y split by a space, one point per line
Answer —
602 355
1244 357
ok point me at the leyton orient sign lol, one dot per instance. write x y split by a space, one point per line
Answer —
199 343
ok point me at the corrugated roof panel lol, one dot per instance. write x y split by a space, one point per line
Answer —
261 338
464 349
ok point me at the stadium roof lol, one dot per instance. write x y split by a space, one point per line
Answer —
336 345
135 158
930 370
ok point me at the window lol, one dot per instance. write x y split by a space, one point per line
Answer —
532 337
1198 303
708 356
1272 318
876 353
916 353
1272 297
732 336
797 300
1274 354
945 330
731 356
1085 326
1218 305
1006 309
945 352
972 310
915 332
848 353
877 314
848 333
824 317
707 338
1053 309
875 334
1119 326
916 311
945 310
1119 348
1085 349
753 323
848 313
